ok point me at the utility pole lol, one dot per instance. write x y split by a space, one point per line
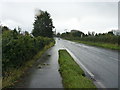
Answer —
81 35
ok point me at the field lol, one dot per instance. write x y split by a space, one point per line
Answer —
105 41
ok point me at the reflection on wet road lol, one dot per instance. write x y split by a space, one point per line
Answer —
103 63
44 74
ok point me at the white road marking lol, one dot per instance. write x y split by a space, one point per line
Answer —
114 58
97 51
80 64
84 68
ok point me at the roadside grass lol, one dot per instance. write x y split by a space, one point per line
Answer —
71 73
100 44
15 74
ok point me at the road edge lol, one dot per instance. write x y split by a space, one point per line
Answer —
90 75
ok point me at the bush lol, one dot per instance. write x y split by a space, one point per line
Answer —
112 39
18 48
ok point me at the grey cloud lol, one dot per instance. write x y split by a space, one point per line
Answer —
63 13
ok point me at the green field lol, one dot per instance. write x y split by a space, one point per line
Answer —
72 74
100 44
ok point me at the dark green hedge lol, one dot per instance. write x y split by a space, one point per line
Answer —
102 39
18 48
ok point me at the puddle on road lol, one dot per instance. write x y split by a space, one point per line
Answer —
42 65
48 55
44 73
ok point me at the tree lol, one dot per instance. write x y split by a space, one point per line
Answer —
43 25
58 34
78 34
110 33
93 33
26 33
89 33
5 28
19 29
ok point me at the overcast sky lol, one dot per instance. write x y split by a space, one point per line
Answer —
66 14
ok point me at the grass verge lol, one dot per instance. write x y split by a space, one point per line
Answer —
100 44
15 74
71 73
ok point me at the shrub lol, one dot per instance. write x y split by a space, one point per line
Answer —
18 48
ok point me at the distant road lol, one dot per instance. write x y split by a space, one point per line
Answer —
103 63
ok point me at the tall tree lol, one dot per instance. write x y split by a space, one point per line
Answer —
43 25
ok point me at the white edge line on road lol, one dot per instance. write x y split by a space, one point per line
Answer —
78 44
99 84
80 64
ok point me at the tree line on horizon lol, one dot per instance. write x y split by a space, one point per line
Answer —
108 37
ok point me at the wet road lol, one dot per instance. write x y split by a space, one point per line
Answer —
43 76
102 63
